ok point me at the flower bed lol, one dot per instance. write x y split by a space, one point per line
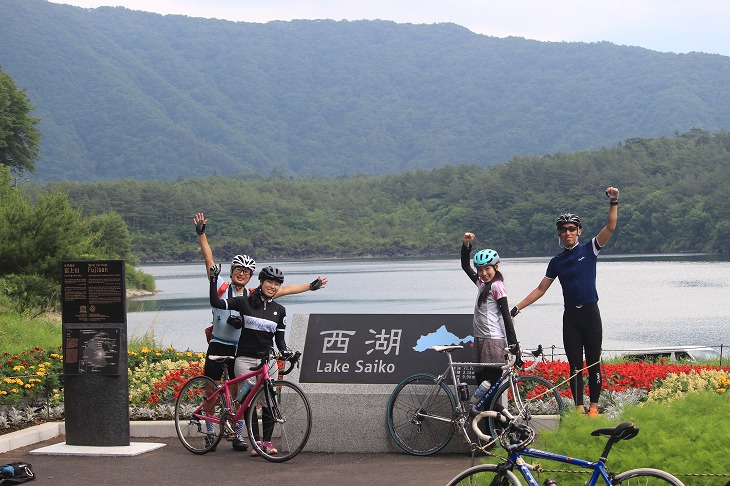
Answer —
31 384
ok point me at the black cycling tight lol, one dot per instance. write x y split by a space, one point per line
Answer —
583 330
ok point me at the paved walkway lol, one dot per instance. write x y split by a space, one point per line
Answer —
174 465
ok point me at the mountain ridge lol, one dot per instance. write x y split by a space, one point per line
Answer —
127 94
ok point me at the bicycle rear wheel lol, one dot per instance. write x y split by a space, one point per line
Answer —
420 413
646 477
538 404
281 411
197 434
485 475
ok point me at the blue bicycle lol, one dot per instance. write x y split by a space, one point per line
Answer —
515 439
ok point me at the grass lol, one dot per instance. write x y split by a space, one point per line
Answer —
19 333
687 438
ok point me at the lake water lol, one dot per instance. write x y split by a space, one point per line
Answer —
644 301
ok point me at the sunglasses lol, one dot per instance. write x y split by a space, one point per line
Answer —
565 229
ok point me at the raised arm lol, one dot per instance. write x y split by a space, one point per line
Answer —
215 301
199 221
466 256
318 283
605 234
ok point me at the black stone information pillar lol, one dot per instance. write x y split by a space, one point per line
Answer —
96 384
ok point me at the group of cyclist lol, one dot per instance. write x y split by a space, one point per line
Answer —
575 268
247 322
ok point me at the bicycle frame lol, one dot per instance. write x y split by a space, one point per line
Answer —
515 458
508 373
262 374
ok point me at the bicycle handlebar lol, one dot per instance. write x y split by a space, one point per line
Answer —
512 358
293 360
515 436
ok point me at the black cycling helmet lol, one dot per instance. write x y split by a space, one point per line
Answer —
568 218
271 273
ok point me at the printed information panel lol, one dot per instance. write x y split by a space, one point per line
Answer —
382 348
91 351
93 292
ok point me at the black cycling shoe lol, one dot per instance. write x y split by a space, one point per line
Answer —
240 444
210 439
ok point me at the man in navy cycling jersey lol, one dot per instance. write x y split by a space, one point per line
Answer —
575 267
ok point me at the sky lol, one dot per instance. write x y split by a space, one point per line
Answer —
678 26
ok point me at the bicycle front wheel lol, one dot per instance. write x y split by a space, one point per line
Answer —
537 404
646 477
197 423
420 413
485 475
279 421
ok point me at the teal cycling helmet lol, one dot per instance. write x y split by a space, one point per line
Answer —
486 257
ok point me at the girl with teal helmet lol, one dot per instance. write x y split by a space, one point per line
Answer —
486 257
493 327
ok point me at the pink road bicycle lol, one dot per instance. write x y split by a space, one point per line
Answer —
274 410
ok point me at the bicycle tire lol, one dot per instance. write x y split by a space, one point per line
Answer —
417 427
539 409
485 475
646 477
197 435
289 419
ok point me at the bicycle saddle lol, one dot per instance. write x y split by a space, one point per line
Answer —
623 431
446 349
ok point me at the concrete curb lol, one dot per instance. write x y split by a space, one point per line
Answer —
39 433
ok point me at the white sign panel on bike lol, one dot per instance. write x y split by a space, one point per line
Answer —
381 348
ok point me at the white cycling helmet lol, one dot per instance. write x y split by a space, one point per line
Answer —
244 261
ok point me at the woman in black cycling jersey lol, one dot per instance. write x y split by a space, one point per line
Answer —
263 322
575 267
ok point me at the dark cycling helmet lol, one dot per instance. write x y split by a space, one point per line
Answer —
244 261
568 218
486 257
271 273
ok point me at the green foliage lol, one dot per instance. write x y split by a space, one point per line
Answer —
19 138
126 94
673 199
39 234
686 436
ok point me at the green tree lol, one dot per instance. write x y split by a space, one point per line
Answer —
19 138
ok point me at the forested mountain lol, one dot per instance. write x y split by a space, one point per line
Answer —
674 198
126 94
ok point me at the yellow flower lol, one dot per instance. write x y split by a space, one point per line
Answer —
18 367
14 390
28 385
